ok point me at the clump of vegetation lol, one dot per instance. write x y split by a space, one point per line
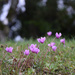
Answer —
47 56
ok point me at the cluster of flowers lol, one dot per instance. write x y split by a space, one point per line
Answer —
33 47
9 49
52 44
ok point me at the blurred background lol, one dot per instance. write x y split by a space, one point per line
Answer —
34 18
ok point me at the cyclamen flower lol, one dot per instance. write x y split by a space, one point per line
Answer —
41 40
51 44
49 33
54 48
32 46
35 50
26 52
62 41
58 35
9 49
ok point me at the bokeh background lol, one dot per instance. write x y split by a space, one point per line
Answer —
41 16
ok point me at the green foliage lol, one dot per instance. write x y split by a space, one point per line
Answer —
40 19
63 63
35 28
37 20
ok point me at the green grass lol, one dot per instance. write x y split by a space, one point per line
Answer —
63 62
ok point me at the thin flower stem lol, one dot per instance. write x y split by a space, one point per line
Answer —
23 64
4 55
45 56
42 52
20 61
58 46
54 54
53 39
0 67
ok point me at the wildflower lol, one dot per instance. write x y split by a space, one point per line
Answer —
32 46
58 35
9 49
41 40
62 41
49 33
51 44
54 48
26 52
35 50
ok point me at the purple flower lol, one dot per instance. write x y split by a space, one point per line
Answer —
49 33
62 41
26 52
51 44
58 35
32 46
41 40
54 48
35 50
9 49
